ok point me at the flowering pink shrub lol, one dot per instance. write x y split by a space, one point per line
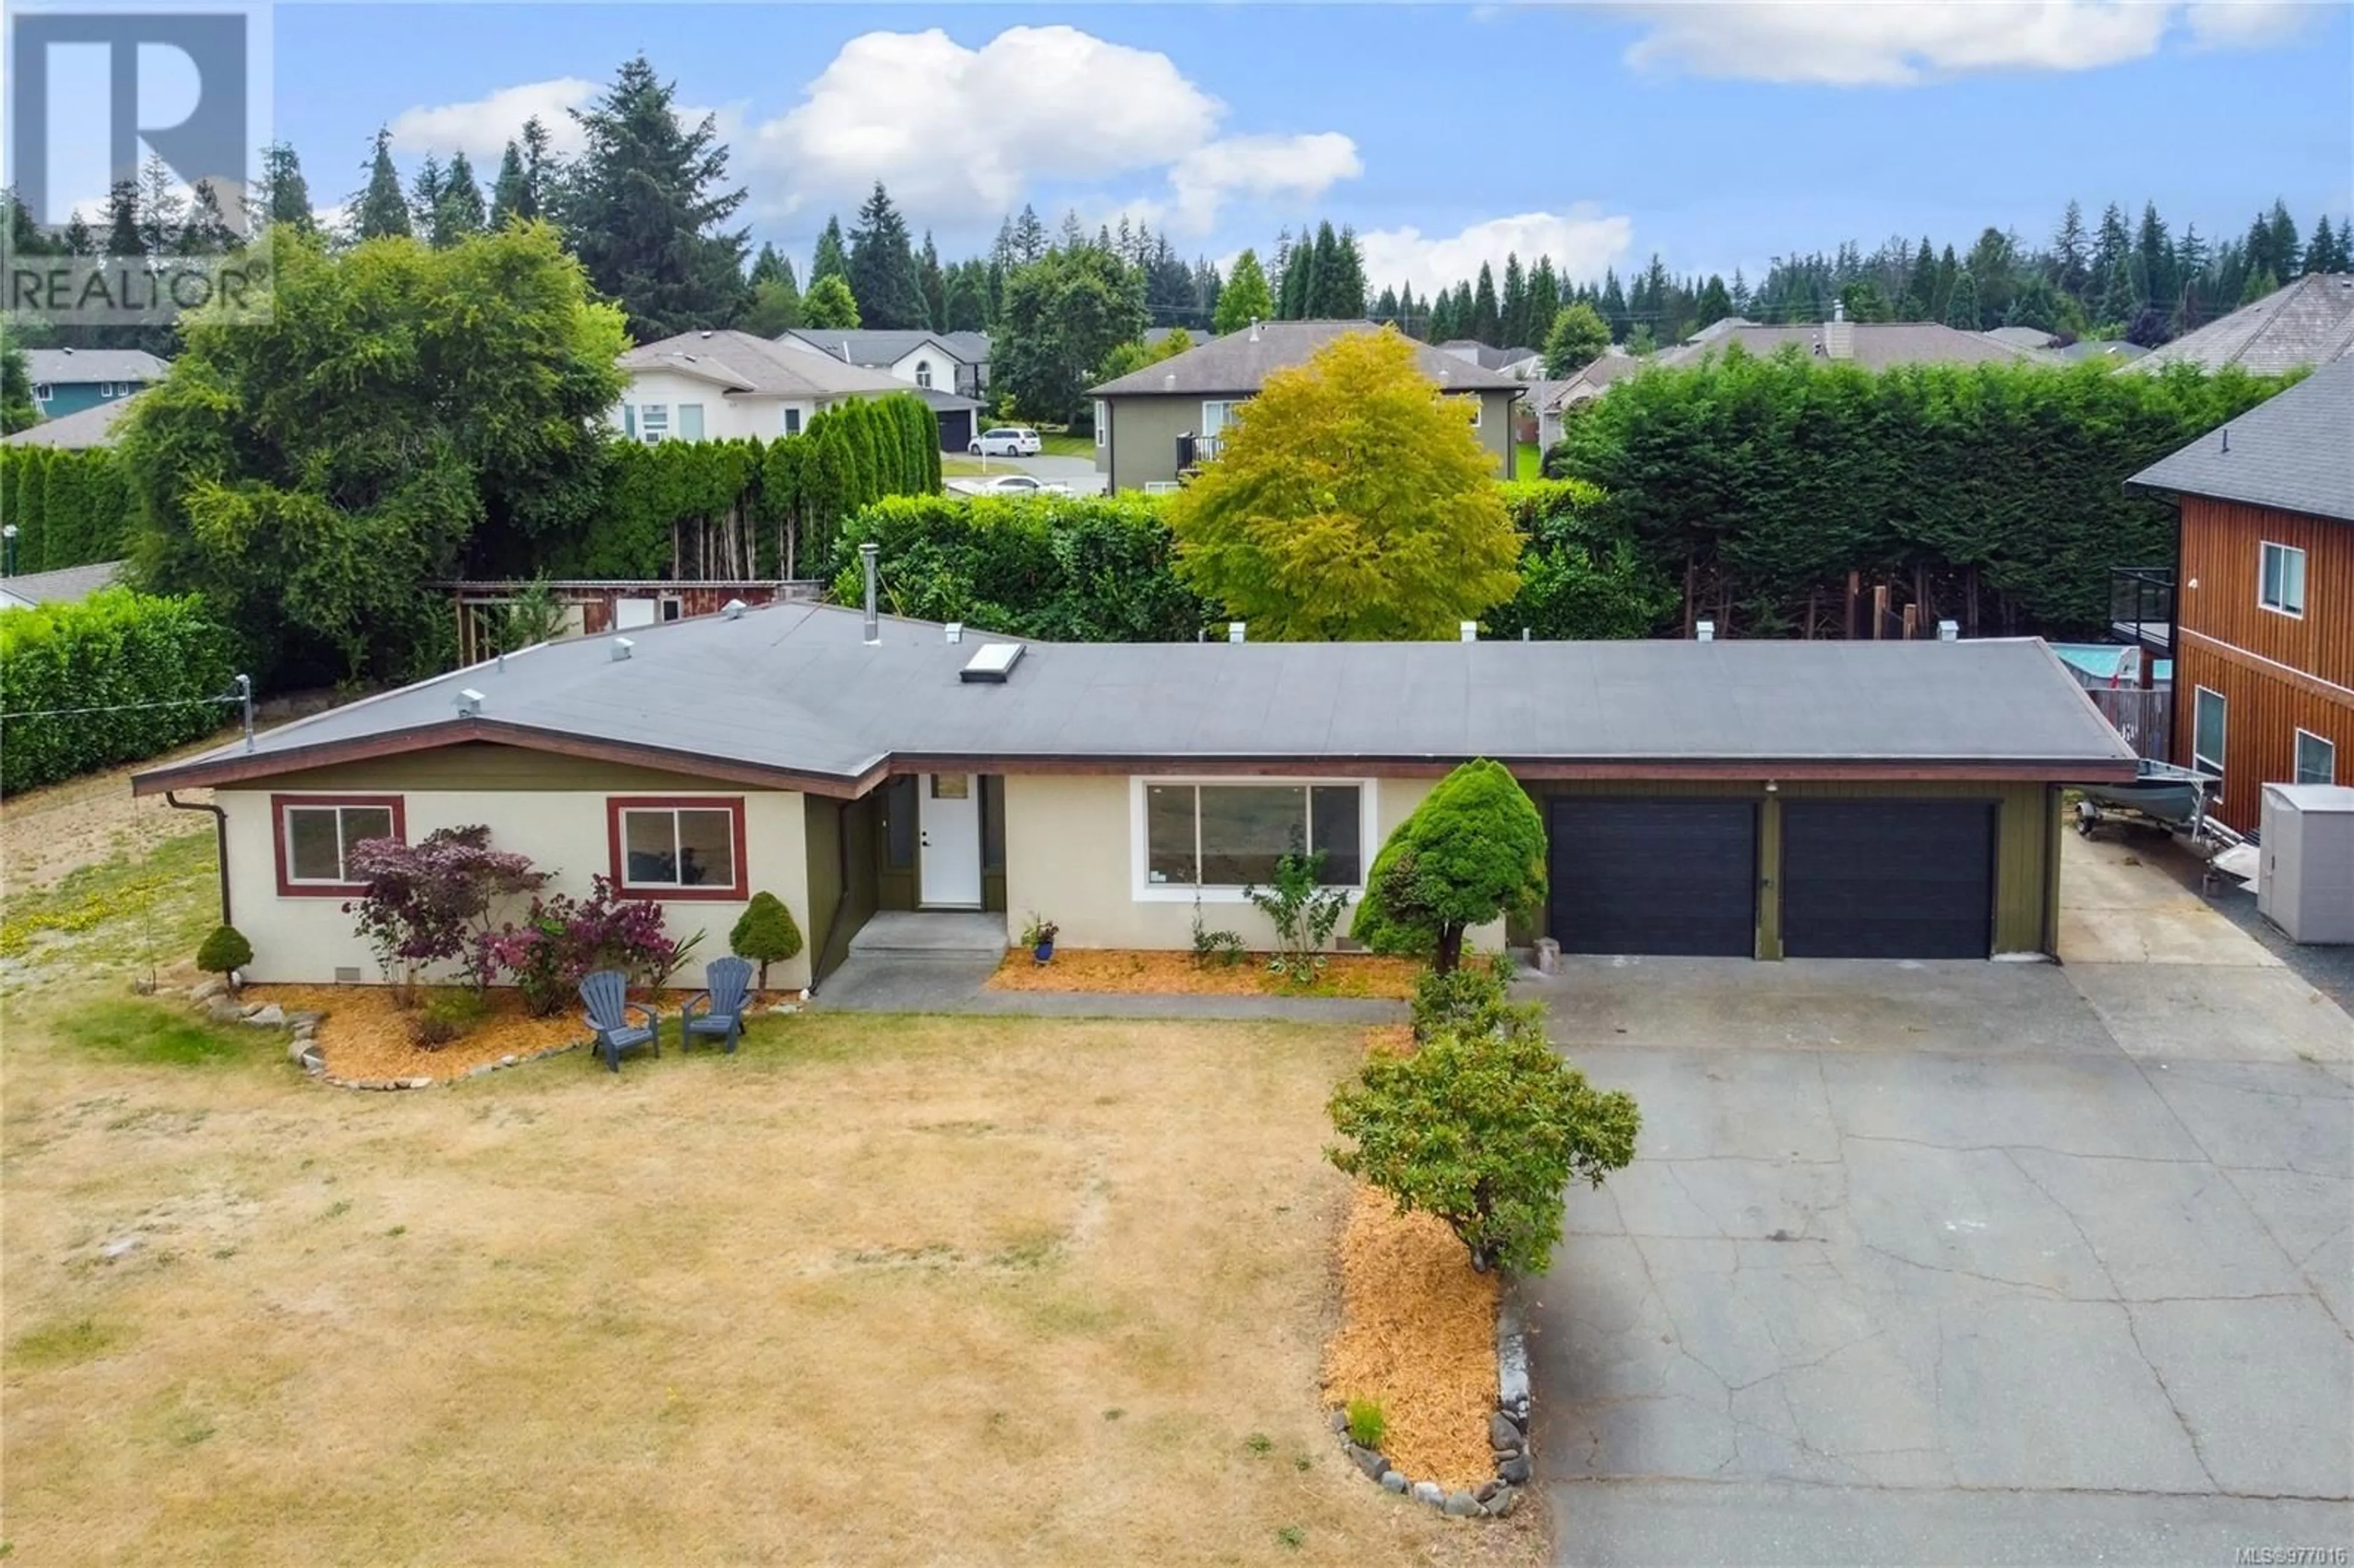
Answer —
564 939
430 902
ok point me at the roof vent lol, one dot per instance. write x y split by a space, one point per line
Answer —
621 646
733 608
955 629
991 664
1254 336
707 332
1234 630
1949 631
1706 631
1169 381
470 702
1469 630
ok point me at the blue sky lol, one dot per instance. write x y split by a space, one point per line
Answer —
1717 135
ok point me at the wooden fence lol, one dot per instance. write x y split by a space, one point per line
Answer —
2145 717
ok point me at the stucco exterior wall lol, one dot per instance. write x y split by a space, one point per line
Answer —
1143 449
726 416
1070 856
307 938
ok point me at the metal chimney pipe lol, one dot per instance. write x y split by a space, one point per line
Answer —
866 553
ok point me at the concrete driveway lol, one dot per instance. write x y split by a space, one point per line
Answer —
1079 473
1960 1262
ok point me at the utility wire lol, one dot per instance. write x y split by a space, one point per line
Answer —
117 707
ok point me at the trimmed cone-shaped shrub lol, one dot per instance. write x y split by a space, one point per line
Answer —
1472 852
224 952
766 934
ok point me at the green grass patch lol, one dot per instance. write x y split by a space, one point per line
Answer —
1528 462
145 1032
1066 443
152 907
64 1342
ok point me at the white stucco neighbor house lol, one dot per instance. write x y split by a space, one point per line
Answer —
719 385
1757 799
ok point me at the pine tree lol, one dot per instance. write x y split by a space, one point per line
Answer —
968 298
1949 271
1513 305
1715 302
1961 307
2154 258
643 204
206 230
520 194
1345 287
2321 251
381 209
1613 306
1294 263
2286 255
1920 300
2260 284
1029 237
78 240
1245 298
1487 314
282 194
2111 245
2069 262
459 214
883 277
832 258
934 283
425 199
776 302
162 209
2121 301
123 236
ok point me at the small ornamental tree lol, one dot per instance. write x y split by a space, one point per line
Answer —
430 902
224 953
1472 852
1483 1127
766 934
563 939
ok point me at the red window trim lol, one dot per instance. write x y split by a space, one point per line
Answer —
287 886
732 804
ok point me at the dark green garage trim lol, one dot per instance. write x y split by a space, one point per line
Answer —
2026 842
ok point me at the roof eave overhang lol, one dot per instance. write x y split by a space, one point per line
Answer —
2010 771
239 768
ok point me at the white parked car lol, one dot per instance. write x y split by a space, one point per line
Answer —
1006 440
1011 484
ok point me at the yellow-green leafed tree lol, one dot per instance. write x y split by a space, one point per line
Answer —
1353 502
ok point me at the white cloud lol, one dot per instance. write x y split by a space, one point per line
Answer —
1259 168
1582 243
483 127
1899 43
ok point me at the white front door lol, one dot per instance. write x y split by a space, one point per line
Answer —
950 815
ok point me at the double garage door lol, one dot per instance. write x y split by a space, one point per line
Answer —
1859 879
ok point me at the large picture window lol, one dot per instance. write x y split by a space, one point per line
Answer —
315 835
683 847
2207 731
1200 836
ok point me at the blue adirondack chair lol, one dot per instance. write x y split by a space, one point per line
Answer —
718 1010
607 994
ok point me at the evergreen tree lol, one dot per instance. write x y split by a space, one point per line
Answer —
2285 256
521 191
1487 314
204 231
380 209
123 237
642 205
1641 340
883 277
832 258
2259 285
1544 295
1949 271
1577 338
2121 301
1344 283
935 285
1028 238
776 302
1961 307
968 298
425 200
18 410
162 209
282 194
2111 246
1920 302
79 240
1513 303
2070 262
1245 298
1323 268
1741 287
829 304
1385 309
2154 258
1613 306
459 214
2321 251
1292 297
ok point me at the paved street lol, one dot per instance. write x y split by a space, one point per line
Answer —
1969 1263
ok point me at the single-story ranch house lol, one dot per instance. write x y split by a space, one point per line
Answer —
1753 799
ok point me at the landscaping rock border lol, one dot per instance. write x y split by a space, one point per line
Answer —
478 1070
213 997
1508 1436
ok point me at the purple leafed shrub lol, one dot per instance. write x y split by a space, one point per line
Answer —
564 939
430 902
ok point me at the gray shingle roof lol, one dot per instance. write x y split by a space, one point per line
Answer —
791 688
759 368
2293 451
68 585
1241 362
74 367
2310 321
91 427
877 346
2020 336
1876 344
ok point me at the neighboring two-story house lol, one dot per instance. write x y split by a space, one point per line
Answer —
2263 625
946 361
712 386
69 380
1157 423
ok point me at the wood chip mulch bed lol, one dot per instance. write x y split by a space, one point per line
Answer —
1148 972
1417 1329
363 1035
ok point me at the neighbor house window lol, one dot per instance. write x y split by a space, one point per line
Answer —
2316 760
1227 836
2207 731
1216 417
792 421
2280 582
678 847
42 392
653 423
315 835
106 389
690 421
924 374
1103 423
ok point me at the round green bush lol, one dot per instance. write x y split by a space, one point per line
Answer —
224 951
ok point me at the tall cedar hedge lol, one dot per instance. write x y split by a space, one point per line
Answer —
1776 476
115 649
69 508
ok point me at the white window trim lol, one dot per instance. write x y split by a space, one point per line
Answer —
43 391
700 435
1142 889
1227 408
1103 423
2197 761
2263 549
791 420
924 374
2297 745
650 429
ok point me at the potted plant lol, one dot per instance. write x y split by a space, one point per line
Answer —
1039 937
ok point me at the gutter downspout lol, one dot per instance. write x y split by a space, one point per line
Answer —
220 841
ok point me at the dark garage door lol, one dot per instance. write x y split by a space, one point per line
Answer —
1655 876
956 429
1887 879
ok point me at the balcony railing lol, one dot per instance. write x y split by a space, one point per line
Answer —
2141 605
1194 451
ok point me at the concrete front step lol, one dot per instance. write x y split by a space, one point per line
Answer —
933 931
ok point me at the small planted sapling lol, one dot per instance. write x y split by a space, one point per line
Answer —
1303 911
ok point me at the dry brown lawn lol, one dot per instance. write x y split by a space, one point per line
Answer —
873 1290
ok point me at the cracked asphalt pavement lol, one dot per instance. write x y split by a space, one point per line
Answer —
1954 1263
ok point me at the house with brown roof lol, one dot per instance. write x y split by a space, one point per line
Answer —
718 385
1156 424
2310 321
